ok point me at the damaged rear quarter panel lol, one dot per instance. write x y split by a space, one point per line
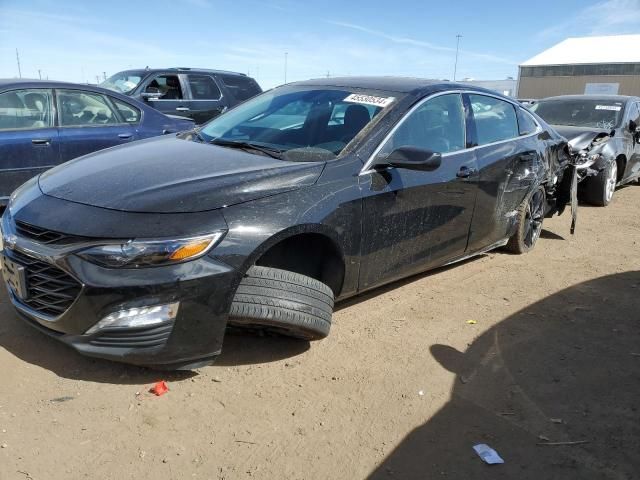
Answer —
508 172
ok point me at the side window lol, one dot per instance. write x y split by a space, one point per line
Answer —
168 85
495 119
203 87
635 114
77 109
242 88
25 109
526 124
129 113
437 125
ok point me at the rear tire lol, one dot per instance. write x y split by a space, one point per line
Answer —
283 302
529 223
599 190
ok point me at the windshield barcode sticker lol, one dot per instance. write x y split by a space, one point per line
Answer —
370 100
613 108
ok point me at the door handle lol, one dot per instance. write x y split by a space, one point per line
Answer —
41 141
465 172
182 109
125 135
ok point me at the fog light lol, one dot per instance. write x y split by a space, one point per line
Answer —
137 317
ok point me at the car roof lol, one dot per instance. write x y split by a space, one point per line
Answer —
602 98
34 83
184 69
8 84
395 84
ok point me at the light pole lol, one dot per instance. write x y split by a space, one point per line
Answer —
455 68
286 55
18 60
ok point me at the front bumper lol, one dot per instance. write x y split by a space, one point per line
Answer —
203 287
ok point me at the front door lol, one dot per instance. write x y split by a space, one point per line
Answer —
89 122
28 139
173 98
206 98
414 220
633 167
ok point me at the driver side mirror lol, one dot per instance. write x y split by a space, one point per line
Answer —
413 158
151 93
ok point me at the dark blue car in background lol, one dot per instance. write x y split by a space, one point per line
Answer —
43 124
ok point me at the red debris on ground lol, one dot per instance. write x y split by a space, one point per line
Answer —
160 388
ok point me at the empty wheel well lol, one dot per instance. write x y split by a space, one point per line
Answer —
621 160
310 254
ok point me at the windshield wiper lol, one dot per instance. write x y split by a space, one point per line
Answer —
271 152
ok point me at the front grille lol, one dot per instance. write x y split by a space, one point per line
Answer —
42 235
134 337
51 290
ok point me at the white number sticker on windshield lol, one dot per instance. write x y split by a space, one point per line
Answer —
613 108
369 100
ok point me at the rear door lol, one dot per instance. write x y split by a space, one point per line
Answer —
28 137
412 219
205 100
89 122
509 161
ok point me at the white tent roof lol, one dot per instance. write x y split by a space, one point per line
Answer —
584 50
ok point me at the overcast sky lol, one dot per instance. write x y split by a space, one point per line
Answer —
78 40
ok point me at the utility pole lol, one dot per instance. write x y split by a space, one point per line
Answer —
104 75
286 54
18 60
455 68
39 74
97 79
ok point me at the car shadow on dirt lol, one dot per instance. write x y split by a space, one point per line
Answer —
565 369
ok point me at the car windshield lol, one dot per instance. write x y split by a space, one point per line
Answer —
123 82
300 123
604 114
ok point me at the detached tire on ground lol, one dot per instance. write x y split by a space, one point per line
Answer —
283 302
529 222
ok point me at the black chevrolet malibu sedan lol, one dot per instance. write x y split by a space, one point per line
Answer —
308 193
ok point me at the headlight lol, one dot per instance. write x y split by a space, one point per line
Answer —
148 253
586 160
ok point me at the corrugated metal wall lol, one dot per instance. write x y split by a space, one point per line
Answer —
541 87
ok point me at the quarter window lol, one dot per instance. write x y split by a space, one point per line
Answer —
25 109
78 108
495 119
436 125
526 123
203 87
129 113
242 88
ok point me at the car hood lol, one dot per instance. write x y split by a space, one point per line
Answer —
581 137
171 175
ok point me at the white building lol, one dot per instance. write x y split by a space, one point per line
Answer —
599 65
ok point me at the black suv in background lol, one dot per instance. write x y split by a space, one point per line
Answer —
199 94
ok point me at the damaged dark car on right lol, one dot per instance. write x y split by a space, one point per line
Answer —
604 132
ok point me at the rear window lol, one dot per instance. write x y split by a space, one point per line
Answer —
242 88
203 87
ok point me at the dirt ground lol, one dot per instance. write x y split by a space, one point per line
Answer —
403 387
